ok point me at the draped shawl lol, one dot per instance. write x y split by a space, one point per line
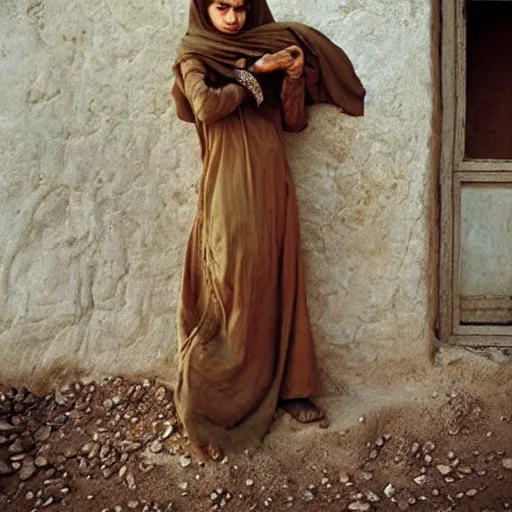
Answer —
330 76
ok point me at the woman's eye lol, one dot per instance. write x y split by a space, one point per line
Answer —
221 8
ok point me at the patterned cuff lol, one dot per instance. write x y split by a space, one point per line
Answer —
248 80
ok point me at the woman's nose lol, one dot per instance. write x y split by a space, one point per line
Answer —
231 17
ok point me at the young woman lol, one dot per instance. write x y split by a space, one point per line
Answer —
243 326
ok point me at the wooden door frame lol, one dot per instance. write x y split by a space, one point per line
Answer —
455 170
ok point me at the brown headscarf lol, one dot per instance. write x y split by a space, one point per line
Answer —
330 76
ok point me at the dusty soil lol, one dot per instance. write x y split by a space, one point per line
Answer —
115 445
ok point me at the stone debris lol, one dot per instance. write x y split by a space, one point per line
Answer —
507 463
359 506
444 469
389 490
420 480
185 461
308 496
123 433
372 497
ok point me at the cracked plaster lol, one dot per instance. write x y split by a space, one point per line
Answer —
98 187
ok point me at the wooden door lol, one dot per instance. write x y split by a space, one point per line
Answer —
476 173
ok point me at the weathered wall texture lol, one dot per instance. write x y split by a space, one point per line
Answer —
97 186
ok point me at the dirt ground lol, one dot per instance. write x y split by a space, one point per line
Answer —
437 442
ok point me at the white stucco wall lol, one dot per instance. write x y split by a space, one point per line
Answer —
97 186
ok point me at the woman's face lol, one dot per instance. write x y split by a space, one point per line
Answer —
228 16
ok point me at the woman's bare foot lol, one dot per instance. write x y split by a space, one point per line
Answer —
304 411
205 453
214 452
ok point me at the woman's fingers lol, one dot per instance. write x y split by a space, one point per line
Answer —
283 59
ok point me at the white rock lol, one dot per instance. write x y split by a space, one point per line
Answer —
183 486
471 493
308 496
507 463
344 478
372 497
420 480
249 482
444 469
130 480
169 429
360 506
185 461
389 490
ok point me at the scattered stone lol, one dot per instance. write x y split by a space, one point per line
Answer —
249 482
28 469
58 421
389 490
428 447
43 433
308 496
471 493
130 446
41 462
507 463
130 480
185 461
108 404
21 445
183 486
344 478
156 447
169 429
420 480
132 504
6 428
49 501
372 497
360 506
107 472
444 469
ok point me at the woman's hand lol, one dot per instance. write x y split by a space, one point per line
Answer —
297 66
290 59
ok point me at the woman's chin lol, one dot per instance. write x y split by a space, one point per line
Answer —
233 32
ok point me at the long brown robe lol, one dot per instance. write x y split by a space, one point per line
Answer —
243 327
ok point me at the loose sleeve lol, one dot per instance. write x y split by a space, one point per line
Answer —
293 100
209 103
